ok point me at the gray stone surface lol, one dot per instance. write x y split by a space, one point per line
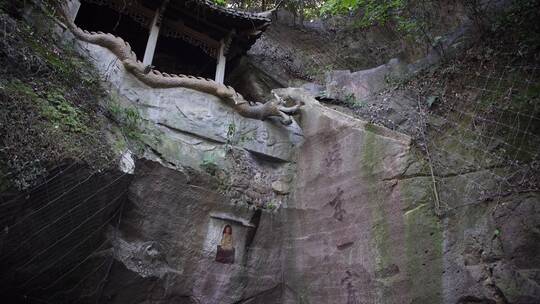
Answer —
358 85
354 218
169 238
359 226
180 112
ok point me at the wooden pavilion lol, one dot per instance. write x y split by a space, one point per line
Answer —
195 37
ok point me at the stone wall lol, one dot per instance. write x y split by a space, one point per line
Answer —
167 242
360 226
329 210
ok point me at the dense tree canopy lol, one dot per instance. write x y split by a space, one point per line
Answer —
369 12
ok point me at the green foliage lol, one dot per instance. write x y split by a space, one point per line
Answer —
373 12
15 87
59 59
317 72
128 118
220 2
408 18
350 98
209 165
522 18
62 114
519 12
271 206
395 80
334 7
53 106
231 131
50 95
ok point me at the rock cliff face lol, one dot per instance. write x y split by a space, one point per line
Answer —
331 209
359 226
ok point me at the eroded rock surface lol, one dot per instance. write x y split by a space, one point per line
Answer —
329 210
359 225
169 236
188 115
350 219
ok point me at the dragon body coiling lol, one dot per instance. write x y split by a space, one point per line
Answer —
153 78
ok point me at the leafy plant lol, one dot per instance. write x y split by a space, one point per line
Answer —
350 100
373 11
50 95
220 2
62 113
231 131
128 118
209 165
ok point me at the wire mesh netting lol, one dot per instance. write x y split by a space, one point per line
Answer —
475 117
53 234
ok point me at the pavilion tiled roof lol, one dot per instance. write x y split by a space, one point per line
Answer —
233 12
249 26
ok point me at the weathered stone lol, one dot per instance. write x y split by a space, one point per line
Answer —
344 85
360 225
345 225
195 114
280 187
127 164
169 237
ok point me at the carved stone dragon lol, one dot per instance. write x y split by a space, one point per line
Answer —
156 79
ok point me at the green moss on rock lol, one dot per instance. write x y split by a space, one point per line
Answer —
51 99
380 234
423 241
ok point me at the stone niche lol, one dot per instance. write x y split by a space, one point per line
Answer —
240 231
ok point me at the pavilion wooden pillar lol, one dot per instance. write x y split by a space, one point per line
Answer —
221 60
72 8
224 45
153 36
